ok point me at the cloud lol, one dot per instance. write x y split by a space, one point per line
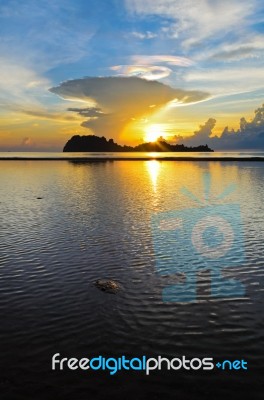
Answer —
47 115
251 46
31 38
44 114
122 99
143 71
249 136
144 35
89 112
39 29
235 55
227 80
168 59
19 84
27 142
145 66
205 130
210 34
195 21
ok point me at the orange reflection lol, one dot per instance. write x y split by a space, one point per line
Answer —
153 167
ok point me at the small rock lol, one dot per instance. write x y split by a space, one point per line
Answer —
107 285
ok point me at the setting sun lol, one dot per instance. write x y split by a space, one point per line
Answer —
153 132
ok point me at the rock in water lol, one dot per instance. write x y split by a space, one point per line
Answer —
107 285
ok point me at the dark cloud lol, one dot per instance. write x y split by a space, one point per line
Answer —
115 101
205 131
89 112
249 136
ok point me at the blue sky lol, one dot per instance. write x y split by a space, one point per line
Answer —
214 48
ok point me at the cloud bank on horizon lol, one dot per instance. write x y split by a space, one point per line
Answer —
249 136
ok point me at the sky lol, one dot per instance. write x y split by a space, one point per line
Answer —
190 71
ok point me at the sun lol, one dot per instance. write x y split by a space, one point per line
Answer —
153 132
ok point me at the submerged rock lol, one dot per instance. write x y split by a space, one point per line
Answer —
107 285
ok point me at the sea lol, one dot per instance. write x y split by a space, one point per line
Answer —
65 224
131 155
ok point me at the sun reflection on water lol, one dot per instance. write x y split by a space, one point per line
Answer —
153 167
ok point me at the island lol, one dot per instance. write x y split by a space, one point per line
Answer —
92 143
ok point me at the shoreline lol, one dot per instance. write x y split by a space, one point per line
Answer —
97 159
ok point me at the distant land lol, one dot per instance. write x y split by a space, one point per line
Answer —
93 143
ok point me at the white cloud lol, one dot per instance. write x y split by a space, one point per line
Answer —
250 46
144 35
227 80
142 71
24 91
200 19
162 58
211 34
19 84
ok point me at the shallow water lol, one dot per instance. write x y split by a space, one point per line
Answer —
64 225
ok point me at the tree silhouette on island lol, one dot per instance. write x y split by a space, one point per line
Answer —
92 143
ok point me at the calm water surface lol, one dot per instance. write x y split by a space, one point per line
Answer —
64 225
95 154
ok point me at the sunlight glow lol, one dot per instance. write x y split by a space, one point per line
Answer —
153 132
